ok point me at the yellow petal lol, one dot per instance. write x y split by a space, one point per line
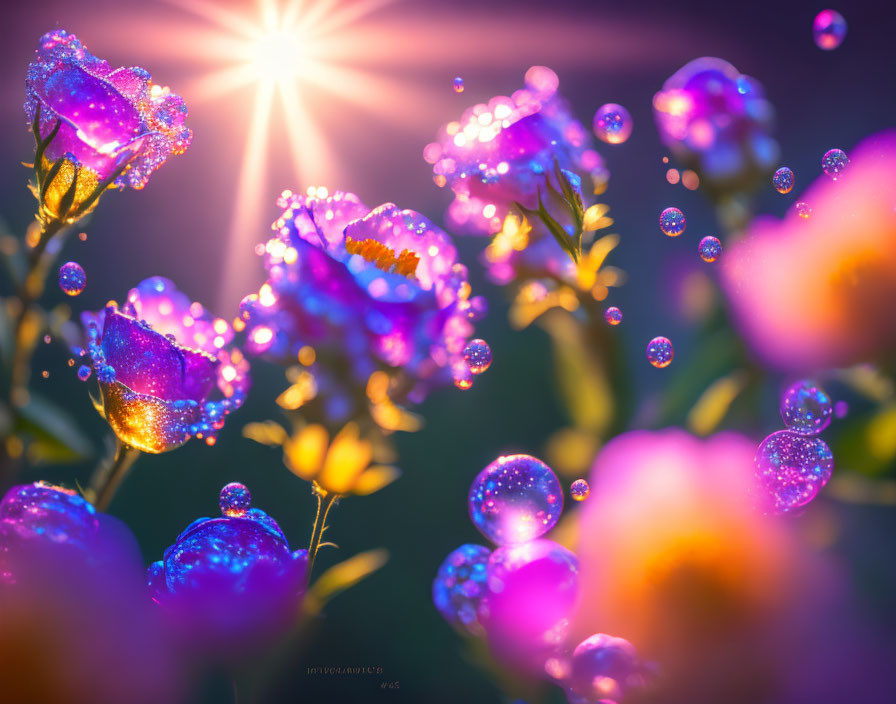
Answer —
347 457
713 404
267 433
375 478
594 218
343 576
304 452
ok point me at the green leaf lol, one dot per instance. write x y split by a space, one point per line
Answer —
343 576
52 433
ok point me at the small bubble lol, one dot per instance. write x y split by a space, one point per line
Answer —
235 500
82 236
672 222
478 356
783 180
579 490
829 29
458 84
672 176
72 278
47 339
612 123
660 352
792 469
690 180
83 372
709 249
806 408
45 374
834 162
803 210
460 586
613 315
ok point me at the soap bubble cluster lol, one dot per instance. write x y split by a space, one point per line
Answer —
672 222
612 123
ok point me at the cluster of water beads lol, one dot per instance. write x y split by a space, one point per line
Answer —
613 315
458 84
478 356
515 499
460 586
579 490
672 222
612 123
829 29
783 180
834 162
710 249
660 352
792 469
803 209
806 408
72 278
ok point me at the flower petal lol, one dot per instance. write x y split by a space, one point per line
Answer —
375 478
347 457
304 452
146 422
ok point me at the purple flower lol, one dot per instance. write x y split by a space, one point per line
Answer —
159 360
718 122
230 583
105 115
499 152
75 624
368 289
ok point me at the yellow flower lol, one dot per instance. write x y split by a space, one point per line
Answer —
69 187
591 275
338 466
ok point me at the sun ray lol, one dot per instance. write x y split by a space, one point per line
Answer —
308 145
223 18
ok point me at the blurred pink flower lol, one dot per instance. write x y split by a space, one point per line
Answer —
818 292
732 606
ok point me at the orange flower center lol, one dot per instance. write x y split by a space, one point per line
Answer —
405 264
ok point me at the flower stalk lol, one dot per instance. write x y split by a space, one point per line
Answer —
325 501
109 475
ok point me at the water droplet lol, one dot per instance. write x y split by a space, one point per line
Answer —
709 249
106 373
458 84
834 162
45 374
792 469
83 372
806 408
47 339
460 586
72 278
604 668
478 356
612 123
660 352
235 500
515 499
783 180
672 222
613 315
803 210
829 29
579 490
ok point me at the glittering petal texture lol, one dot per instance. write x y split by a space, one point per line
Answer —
159 361
231 581
499 152
717 121
105 114
377 289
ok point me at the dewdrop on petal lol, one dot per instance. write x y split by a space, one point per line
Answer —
235 500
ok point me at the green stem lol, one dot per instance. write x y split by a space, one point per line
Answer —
108 477
325 501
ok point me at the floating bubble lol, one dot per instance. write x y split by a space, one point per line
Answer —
604 668
458 84
709 249
235 500
83 372
803 209
806 408
834 162
783 180
829 29
72 278
612 123
660 352
515 499
792 469
579 490
460 586
672 222
478 356
613 315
